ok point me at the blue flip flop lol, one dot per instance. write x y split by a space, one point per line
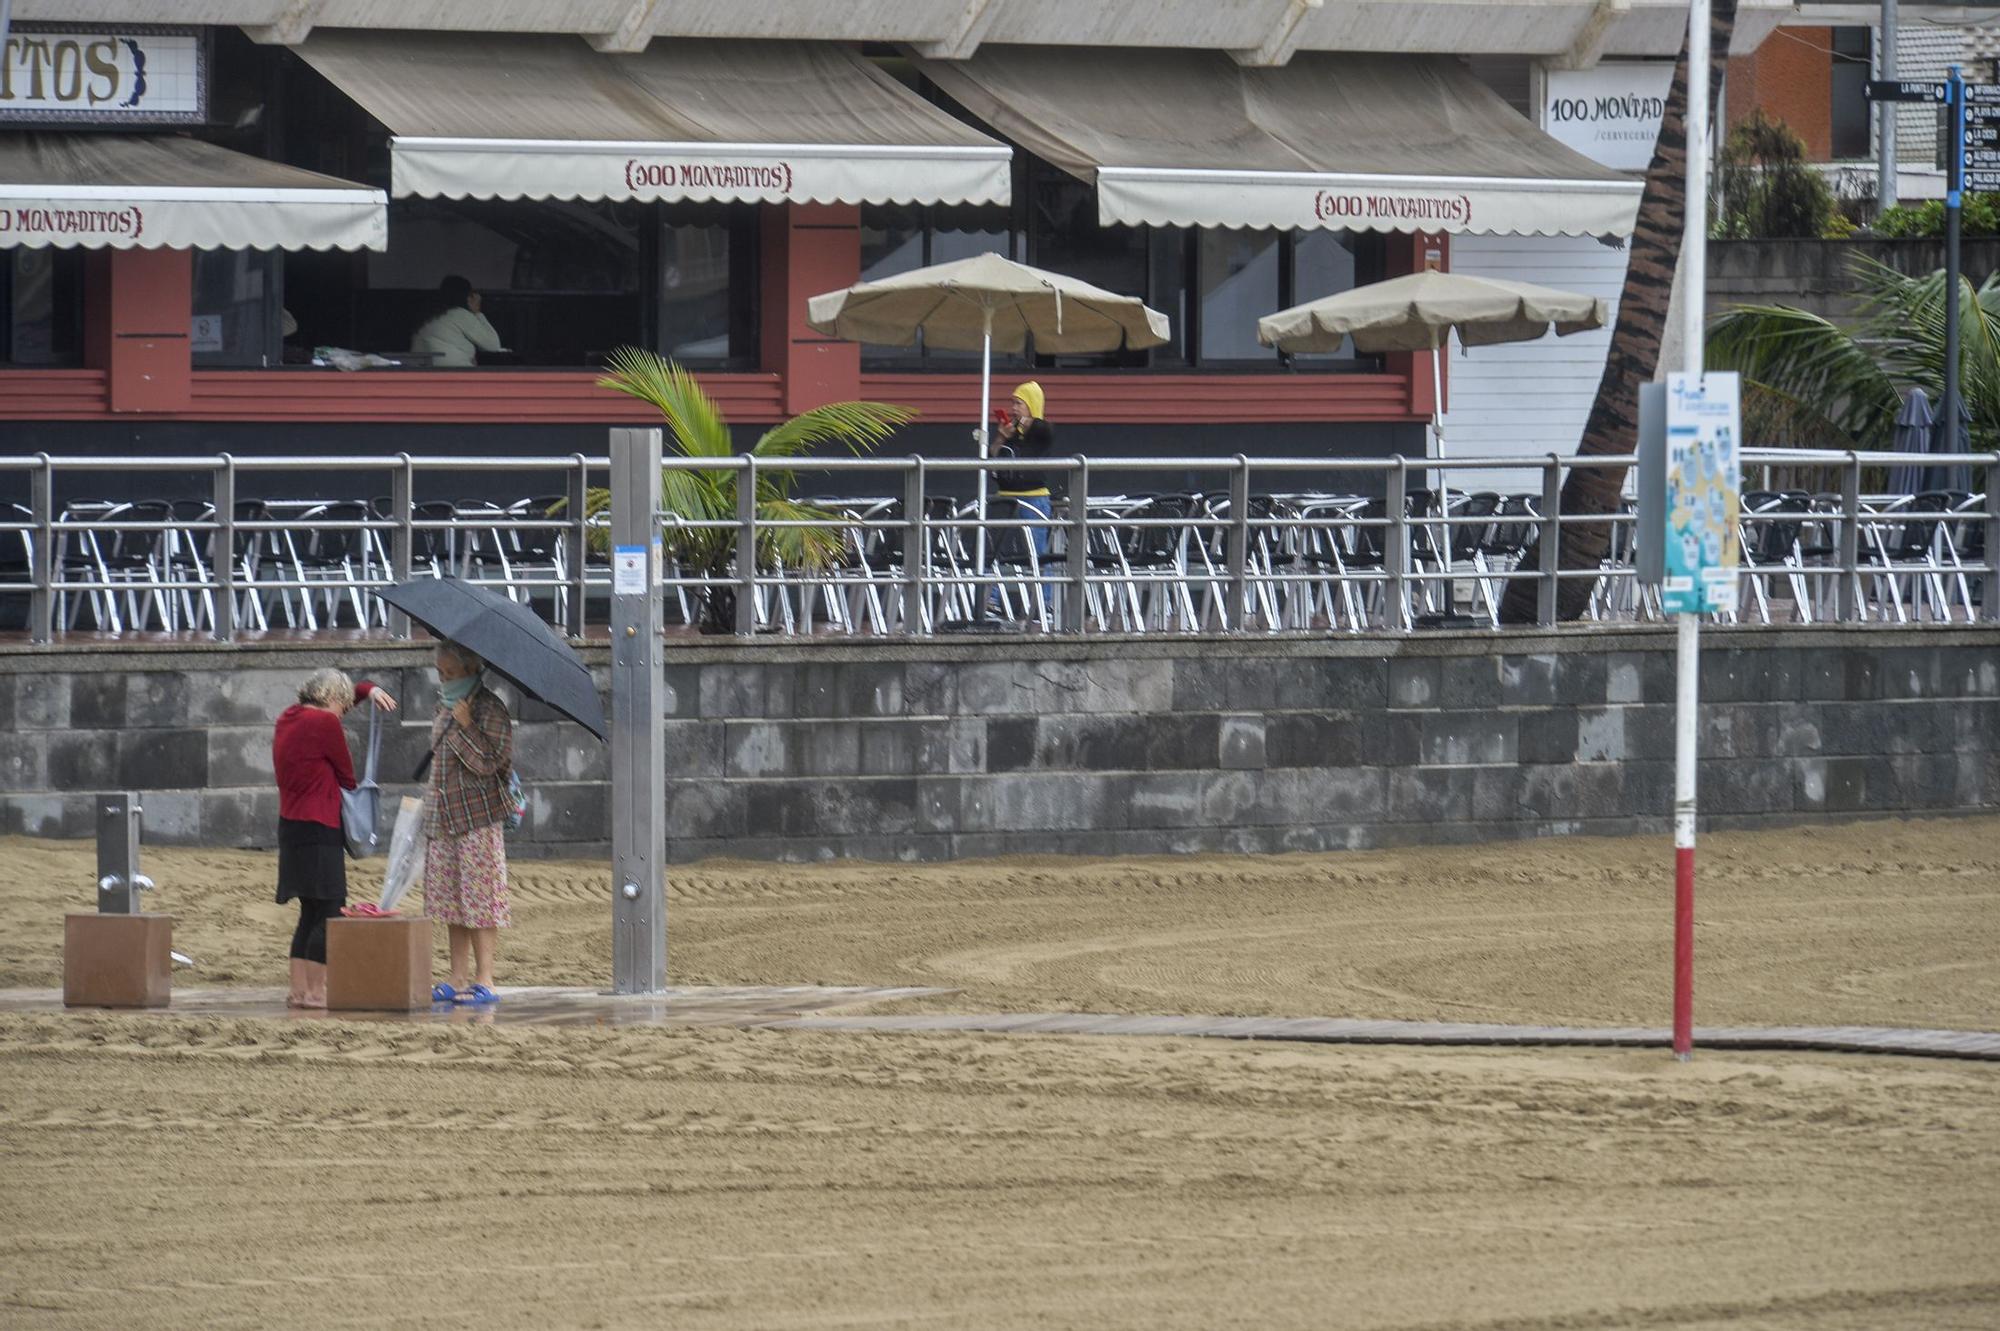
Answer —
443 993
478 996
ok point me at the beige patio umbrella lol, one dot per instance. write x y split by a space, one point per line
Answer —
979 303
1420 312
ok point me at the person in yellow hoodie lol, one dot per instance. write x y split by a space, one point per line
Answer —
1026 434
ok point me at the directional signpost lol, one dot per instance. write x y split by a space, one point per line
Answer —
1979 137
1972 152
1903 90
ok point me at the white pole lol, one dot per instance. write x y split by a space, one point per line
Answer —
985 430
1443 501
1687 640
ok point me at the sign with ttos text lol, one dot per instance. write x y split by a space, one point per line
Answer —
1704 424
130 76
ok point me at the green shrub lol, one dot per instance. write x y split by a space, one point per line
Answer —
1765 189
1980 216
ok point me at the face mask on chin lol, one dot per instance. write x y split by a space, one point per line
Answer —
455 691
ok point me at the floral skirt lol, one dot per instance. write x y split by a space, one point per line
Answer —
465 879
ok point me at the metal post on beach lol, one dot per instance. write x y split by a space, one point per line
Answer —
638 732
1687 637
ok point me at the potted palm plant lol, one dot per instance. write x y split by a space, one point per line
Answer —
695 428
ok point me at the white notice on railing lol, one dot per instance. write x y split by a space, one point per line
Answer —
628 570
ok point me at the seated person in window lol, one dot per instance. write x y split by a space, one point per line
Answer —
458 332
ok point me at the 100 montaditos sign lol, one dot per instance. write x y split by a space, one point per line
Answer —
137 75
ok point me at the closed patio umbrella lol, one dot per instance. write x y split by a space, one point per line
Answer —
981 303
1914 423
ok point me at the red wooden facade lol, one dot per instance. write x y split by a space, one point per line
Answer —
138 364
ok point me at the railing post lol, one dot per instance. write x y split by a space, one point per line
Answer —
1990 605
916 549
1848 597
1548 552
576 544
1239 547
746 548
1396 546
1076 605
403 540
42 601
638 732
222 552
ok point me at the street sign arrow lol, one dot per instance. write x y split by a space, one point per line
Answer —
1987 94
1981 136
1900 90
1983 182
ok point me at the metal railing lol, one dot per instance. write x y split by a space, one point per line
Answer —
1122 545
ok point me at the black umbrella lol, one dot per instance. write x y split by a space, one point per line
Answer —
512 639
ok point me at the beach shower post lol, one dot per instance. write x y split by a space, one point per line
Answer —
638 731
119 881
119 955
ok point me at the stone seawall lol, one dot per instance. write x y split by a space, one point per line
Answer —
939 750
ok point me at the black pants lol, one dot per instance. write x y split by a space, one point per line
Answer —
309 939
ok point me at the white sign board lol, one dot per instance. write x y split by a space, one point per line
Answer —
1704 486
207 333
132 75
628 570
1611 114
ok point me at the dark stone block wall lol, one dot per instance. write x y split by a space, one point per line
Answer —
941 750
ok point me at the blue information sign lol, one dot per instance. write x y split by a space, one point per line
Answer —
1704 478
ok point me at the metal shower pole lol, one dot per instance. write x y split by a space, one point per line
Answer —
638 730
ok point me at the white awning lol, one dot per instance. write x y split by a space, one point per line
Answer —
133 191
1189 138
512 117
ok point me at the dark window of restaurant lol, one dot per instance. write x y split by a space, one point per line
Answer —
896 239
707 265
1239 285
1064 236
42 292
558 280
1852 48
235 318
1326 262
1243 275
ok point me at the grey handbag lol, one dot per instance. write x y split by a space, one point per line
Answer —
361 807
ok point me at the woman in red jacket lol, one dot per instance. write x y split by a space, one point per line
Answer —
309 755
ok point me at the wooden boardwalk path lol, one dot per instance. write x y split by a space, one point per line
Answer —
817 1008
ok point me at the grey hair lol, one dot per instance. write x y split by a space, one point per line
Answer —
327 687
472 664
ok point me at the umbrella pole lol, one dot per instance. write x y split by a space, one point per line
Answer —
1439 495
985 429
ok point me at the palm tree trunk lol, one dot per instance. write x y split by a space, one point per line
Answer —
1613 425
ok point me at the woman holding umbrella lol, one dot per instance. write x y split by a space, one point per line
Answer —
465 868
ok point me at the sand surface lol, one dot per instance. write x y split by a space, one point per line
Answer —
178 1171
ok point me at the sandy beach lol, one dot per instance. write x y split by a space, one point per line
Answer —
182 1171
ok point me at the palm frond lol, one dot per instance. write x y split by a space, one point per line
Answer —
812 549
860 426
1818 368
695 424
707 495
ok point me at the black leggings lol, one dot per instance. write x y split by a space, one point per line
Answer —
309 939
